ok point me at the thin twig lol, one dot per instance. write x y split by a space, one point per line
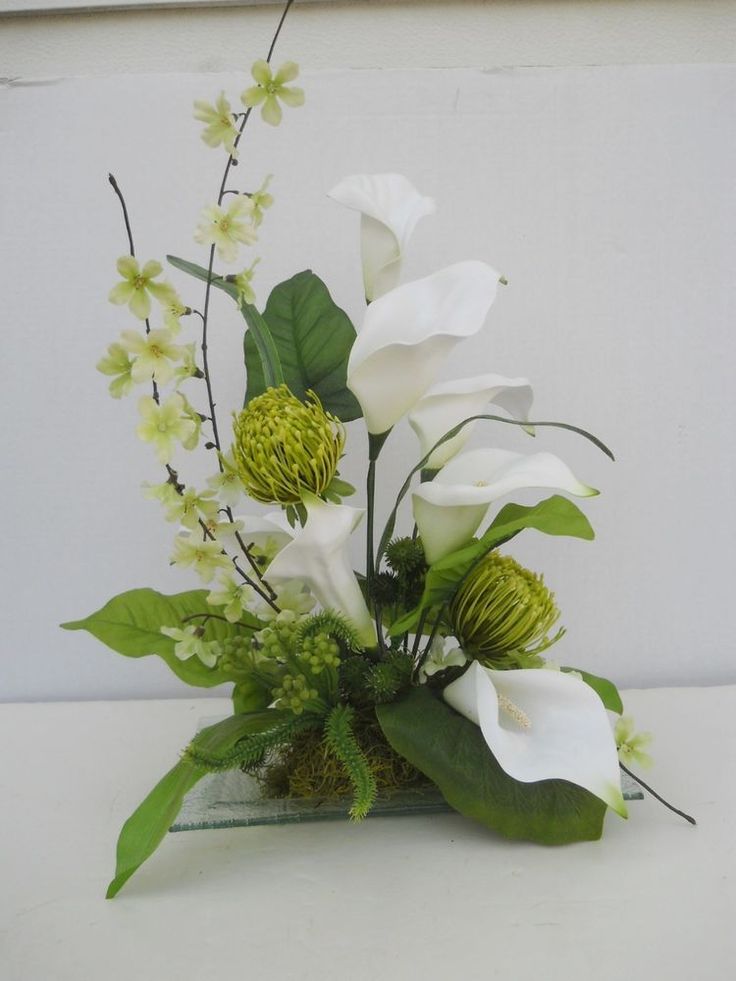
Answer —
654 794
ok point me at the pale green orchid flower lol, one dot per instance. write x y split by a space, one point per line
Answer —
227 228
446 405
220 128
542 725
270 89
449 509
390 207
190 643
318 556
408 334
165 424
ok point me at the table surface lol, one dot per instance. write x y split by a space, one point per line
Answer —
392 899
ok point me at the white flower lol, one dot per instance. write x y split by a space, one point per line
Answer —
390 208
318 555
293 597
165 424
449 509
444 653
226 484
267 534
407 335
542 725
231 595
155 355
205 557
189 643
226 228
446 405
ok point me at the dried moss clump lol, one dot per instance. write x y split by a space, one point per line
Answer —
307 768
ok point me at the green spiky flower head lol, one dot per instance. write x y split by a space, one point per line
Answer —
502 613
284 447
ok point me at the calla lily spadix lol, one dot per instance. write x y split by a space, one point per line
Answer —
318 556
449 509
390 208
542 725
407 335
447 404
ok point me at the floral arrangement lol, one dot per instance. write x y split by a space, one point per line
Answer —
429 665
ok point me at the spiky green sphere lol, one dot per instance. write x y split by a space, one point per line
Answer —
502 610
284 447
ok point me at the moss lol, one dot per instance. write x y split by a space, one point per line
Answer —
305 767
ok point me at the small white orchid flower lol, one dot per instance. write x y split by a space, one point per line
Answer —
390 207
542 725
444 653
449 509
267 533
318 556
407 335
447 404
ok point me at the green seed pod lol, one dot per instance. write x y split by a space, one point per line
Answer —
284 447
502 612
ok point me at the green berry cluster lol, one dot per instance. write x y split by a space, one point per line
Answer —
278 640
320 651
294 693
232 653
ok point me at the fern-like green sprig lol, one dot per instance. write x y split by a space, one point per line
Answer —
332 623
251 750
341 741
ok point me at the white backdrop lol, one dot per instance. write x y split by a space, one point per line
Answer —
606 197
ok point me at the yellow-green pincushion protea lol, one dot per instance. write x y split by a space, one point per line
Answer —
285 447
502 613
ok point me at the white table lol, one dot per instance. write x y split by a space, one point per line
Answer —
393 899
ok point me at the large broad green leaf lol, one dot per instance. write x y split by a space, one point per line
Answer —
144 830
131 625
555 515
267 355
452 752
313 337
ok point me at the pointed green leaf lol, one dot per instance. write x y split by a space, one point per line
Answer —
131 625
555 515
451 751
605 689
313 337
144 830
267 355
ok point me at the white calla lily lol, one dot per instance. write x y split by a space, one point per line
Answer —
449 509
390 208
447 404
318 556
407 335
269 532
542 725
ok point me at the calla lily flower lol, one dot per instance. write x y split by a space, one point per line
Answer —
449 509
318 556
268 533
447 404
542 725
390 208
407 335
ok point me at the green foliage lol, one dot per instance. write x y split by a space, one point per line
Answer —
341 741
605 689
250 695
386 679
452 752
131 625
145 828
252 748
313 338
332 623
263 343
555 515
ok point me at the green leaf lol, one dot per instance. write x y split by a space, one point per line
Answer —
555 515
249 695
605 689
131 625
144 830
451 751
313 337
270 366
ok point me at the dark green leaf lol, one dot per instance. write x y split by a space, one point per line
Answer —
131 625
452 752
313 337
554 516
144 830
605 689
267 355
250 695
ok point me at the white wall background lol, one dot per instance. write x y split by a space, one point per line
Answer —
605 193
